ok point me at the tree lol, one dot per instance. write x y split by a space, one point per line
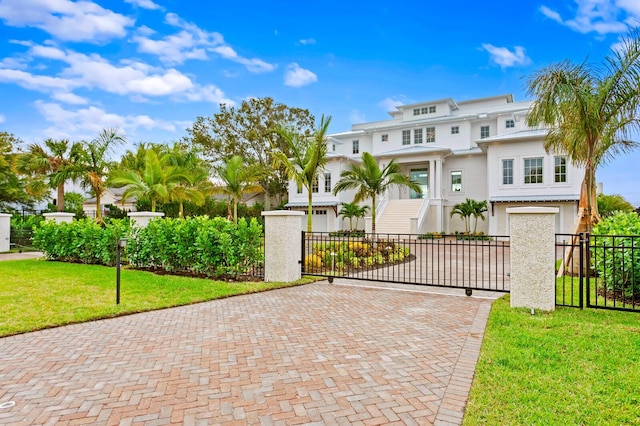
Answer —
591 113
250 131
609 204
465 211
238 179
54 161
308 156
93 163
12 185
353 210
371 182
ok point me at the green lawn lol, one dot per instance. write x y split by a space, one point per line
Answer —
569 367
36 294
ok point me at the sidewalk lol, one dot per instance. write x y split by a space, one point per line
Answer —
20 256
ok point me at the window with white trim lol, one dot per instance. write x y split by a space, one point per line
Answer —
455 130
533 170
327 182
406 137
314 185
431 134
432 109
416 111
484 132
509 124
417 135
384 137
299 188
424 110
355 147
456 181
507 172
560 169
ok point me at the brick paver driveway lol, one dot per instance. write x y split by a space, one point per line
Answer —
320 353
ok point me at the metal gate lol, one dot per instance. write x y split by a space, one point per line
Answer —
460 261
598 271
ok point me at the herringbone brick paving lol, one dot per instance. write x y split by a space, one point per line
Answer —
315 354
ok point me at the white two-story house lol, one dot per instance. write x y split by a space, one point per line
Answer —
480 149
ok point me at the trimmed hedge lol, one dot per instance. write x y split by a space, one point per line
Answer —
214 247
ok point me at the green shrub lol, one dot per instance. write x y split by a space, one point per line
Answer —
616 253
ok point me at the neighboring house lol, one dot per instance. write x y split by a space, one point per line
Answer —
480 149
111 196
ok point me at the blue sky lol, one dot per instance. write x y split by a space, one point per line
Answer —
71 68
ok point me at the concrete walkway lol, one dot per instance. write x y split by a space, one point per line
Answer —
316 354
20 256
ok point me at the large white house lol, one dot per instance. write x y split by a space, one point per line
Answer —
480 149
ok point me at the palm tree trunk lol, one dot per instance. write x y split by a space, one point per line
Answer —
60 206
235 211
98 207
373 214
153 204
310 212
181 210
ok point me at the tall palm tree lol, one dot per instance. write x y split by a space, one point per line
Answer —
93 162
591 113
154 182
370 181
238 179
53 161
308 158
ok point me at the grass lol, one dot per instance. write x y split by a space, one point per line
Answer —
36 294
568 367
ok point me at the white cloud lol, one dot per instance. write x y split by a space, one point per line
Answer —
65 19
70 98
599 16
307 41
144 4
356 117
35 82
390 104
298 77
192 42
85 123
505 58
2 119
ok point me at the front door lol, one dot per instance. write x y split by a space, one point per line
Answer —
421 177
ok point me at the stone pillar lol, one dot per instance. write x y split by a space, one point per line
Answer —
59 217
5 232
533 280
282 245
142 219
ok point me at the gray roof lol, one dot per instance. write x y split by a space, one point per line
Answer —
534 198
413 150
315 204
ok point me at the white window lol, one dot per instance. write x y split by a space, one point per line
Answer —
406 137
314 185
416 111
507 172
299 188
455 130
484 132
327 182
384 137
417 135
432 109
424 110
509 124
431 134
456 181
560 169
355 147
533 170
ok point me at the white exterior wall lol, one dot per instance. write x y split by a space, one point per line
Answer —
474 186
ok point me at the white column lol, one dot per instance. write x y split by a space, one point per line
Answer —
59 217
282 245
5 232
533 279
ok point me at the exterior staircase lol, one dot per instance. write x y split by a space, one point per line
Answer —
395 219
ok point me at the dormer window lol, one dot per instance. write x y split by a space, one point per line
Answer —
416 111
509 124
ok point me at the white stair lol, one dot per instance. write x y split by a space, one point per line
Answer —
396 217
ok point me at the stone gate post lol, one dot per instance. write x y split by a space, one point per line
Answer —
533 279
282 245
5 232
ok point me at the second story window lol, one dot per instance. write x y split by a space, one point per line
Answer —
456 181
560 169
406 137
533 170
431 134
507 172
432 109
327 182
355 147
416 111
509 124
484 132
384 137
455 130
299 188
314 186
417 136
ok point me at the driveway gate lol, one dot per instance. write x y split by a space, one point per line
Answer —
461 261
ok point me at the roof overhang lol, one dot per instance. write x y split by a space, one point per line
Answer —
535 198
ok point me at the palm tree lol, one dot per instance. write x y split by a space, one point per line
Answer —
94 164
371 182
351 210
465 211
591 113
54 161
479 208
238 179
308 158
153 182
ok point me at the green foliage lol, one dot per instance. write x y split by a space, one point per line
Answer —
470 208
431 236
81 241
616 253
339 255
609 204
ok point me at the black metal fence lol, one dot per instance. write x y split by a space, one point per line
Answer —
598 271
472 262
21 239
